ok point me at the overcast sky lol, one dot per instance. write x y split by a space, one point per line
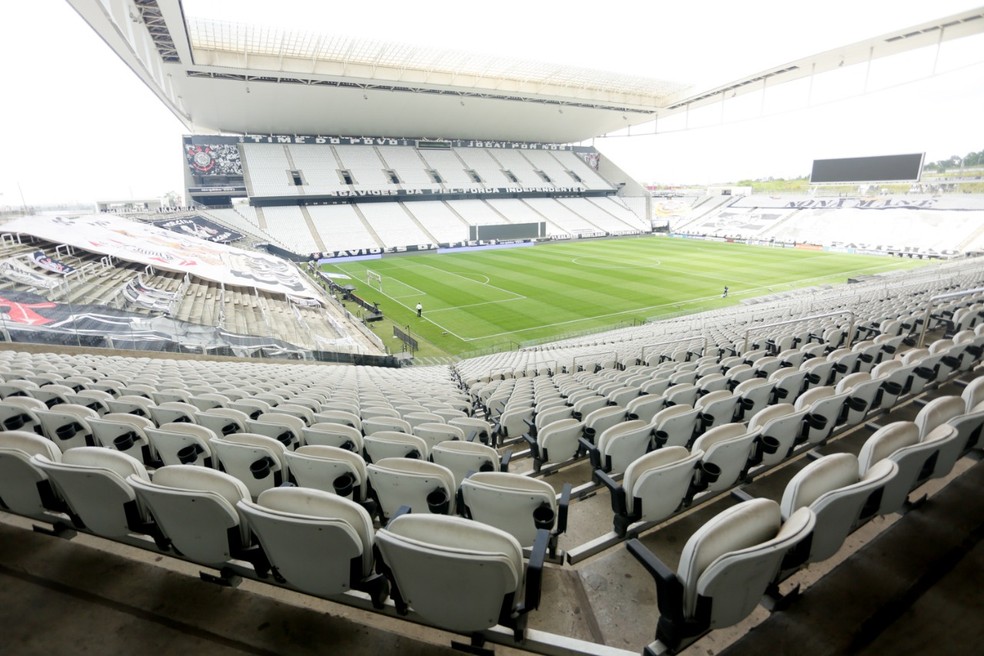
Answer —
81 126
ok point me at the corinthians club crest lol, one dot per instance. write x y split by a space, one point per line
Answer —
201 158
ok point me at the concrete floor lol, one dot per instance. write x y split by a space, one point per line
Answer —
902 584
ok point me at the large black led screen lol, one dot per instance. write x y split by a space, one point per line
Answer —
883 168
507 231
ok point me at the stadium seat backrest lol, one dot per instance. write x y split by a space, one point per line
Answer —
414 483
257 460
900 442
659 481
781 422
476 430
436 432
707 556
508 502
431 556
19 477
644 407
558 441
602 419
312 538
320 467
675 424
728 447
67 425
121 431
716 408
623 443
394 444
196 509
736 581
753 394
93 481
223 421
463 458
377 424
20 413
181 443
824 406
832 488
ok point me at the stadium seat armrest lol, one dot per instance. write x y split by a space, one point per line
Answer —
534 572
615 490
534 447
593 454
669 587
562 507
504 460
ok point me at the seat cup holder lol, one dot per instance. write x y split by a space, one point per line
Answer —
348 445
229 429
286 438
892 388
15 422
817 422
344 484
661 438
770 444
438 501
189 453
708 473
487 466
124 441
68 431
543 517
260 469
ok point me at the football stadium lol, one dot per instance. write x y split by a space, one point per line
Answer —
416 365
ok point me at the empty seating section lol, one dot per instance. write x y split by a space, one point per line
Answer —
451 169
572 162
410 169
340 227
268 170
367 170
481 162
563 217
512 160
439 220
619 221
393 224
545 162
288 224
477 212
517 210
629 435
318 168
919 226
616 207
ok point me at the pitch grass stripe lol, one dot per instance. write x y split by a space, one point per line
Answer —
562 296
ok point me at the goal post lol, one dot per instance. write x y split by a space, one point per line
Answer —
374 280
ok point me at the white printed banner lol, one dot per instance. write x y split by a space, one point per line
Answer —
165 249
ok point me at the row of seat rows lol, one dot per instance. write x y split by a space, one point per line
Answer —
322 543
677 417
898 299
733 409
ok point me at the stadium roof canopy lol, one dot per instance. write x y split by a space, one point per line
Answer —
222 76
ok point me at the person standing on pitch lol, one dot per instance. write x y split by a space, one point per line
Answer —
724 294
420 310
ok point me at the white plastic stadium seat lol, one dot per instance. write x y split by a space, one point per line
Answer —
724 569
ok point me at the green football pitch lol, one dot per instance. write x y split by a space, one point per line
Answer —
501 299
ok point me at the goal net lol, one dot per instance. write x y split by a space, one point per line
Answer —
374 279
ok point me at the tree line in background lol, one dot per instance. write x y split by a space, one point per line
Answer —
956 161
